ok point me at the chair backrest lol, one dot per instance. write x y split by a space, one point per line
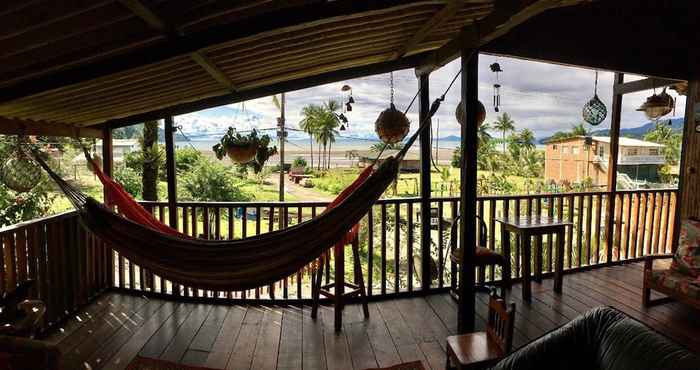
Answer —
499 326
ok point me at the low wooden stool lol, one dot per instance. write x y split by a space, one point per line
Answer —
336 289
483 349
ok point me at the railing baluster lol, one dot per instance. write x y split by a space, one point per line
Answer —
409 249
453 266
491 234
481 273
370 251
441 251
383 249
579 231
516 247
550 214
397 246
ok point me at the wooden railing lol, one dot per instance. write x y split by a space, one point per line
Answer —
72 266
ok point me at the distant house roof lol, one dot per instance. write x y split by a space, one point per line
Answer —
122 142
624 141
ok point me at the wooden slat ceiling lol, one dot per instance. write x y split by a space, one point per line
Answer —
41 39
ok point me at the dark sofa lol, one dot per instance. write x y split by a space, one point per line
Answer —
601 339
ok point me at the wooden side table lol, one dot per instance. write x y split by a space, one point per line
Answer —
526 228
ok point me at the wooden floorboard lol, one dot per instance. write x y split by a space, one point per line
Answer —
109 333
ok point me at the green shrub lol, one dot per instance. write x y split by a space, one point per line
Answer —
299 162
129 179
186 158
211 181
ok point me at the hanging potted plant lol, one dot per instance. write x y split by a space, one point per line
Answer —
239 148
250 150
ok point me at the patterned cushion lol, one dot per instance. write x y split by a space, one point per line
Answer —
677 281
687 257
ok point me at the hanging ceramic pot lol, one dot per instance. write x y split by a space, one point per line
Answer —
20 173
392 125
480 113
595 111
242 154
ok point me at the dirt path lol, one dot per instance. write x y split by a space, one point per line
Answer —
299 191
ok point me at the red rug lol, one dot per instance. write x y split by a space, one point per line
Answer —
144 363
415 365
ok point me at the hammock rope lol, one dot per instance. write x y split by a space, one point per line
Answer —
227 265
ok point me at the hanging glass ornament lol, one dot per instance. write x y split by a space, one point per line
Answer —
392 125
594 112
20 173
480 113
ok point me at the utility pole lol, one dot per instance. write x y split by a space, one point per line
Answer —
281 134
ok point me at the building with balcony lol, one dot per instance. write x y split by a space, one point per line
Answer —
578 158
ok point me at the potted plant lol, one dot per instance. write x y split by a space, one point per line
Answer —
249 150
240 148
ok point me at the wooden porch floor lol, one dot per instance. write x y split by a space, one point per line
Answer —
117 327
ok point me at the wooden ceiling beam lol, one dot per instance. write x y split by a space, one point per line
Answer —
644 84
156 22
14 126
505 16
185 45
438 19
276 88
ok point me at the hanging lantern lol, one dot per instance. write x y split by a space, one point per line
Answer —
681 88
392 125
20 173
594 112
480 113
657 106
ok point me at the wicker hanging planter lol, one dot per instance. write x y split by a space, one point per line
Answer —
392 125
657 106
242 154
20 173
480 114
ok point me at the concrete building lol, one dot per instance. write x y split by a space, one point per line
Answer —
577 158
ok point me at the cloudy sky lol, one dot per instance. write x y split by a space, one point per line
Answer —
542 97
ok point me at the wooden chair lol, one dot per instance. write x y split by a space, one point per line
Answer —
336 290
483 257
482 349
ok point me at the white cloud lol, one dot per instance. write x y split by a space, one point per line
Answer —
542 97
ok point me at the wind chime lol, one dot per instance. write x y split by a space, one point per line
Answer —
347 108
20 173
392 125
594 112
496 68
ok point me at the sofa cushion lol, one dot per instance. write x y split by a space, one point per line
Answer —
601 339
685 284
686 260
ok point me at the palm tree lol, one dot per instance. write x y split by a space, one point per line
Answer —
504 124
483 134
326 129
579 130
309 124
527 139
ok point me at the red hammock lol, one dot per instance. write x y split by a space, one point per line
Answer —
116 195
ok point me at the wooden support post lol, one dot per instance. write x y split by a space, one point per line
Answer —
281 134
424 113
467 228
107 165
612 167
688 198
170 169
